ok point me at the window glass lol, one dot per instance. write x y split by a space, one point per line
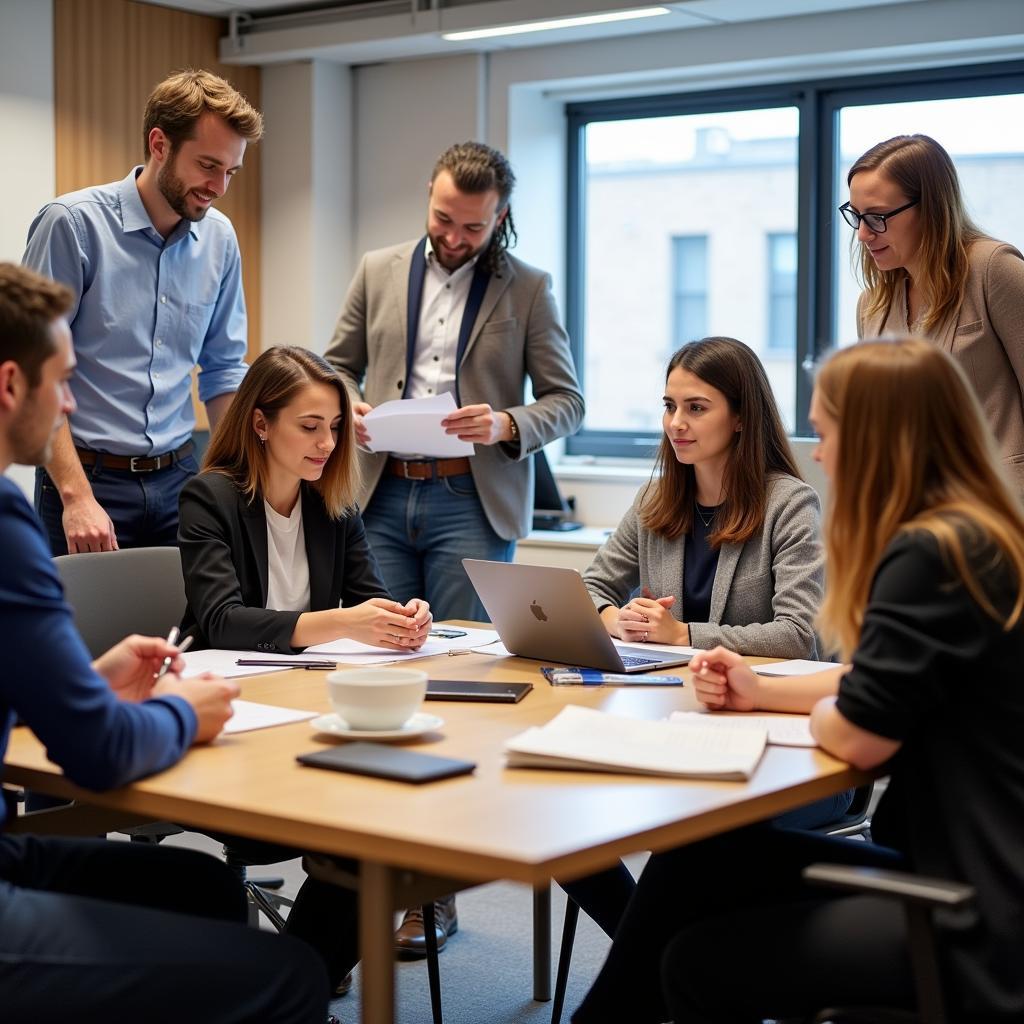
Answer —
675 215
985 137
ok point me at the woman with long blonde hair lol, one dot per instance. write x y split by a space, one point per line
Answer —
925 601
928 270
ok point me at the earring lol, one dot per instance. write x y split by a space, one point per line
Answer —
263 439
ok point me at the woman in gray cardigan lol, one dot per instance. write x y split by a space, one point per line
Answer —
724 543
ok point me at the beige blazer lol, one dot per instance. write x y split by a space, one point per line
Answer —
986 336
766 593
517 334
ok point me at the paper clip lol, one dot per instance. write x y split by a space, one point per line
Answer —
462 650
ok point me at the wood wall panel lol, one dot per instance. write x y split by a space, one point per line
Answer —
108 56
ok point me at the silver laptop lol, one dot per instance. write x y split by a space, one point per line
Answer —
545 613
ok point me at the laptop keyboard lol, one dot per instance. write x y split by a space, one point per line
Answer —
630 659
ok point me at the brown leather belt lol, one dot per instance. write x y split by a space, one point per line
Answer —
134 463
427 469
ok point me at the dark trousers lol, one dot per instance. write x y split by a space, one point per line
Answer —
605 895
92 930
324 916
142 506
726 931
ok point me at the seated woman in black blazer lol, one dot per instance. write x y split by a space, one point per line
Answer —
925 600
270 542
270 546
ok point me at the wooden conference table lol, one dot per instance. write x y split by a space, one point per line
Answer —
417 842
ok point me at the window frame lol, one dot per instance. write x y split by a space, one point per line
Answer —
818 103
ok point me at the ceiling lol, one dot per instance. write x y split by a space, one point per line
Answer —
370 31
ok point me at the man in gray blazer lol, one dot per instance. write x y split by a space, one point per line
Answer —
454 312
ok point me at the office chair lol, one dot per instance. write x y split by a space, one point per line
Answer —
855 821
920 897
141 590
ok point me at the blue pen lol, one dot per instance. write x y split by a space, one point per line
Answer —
594 677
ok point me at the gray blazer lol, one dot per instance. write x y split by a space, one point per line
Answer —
986 337
766 592
517 334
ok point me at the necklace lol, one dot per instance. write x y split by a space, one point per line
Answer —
706 516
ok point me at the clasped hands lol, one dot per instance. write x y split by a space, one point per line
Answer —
380 622
647 619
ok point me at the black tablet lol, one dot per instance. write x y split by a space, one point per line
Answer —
467 689
384 762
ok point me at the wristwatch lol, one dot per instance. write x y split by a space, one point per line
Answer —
514 427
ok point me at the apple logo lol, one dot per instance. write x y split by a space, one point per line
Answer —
538 612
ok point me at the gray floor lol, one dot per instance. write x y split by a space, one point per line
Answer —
487 967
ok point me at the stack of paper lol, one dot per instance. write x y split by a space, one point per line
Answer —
588 740
783 730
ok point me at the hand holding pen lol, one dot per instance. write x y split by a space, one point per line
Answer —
131 667
172 639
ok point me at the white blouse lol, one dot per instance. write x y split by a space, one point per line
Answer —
288 567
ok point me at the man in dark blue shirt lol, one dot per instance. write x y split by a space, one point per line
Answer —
88 928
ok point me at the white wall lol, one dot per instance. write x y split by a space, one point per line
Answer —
27 170
308 188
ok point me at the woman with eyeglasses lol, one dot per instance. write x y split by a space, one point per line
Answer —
924 600
928 270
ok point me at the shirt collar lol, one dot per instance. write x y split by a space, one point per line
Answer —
133 213
433 261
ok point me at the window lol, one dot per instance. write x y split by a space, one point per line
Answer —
985 137
715 213
690 291
781 329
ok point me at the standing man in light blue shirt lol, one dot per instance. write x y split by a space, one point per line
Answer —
156 275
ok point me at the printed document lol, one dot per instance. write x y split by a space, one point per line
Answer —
584 739
414 425
783 730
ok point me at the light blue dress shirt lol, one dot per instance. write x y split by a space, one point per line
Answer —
147 311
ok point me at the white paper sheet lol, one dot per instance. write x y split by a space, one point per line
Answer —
414 425
583 738
222 663
783 730
356 653
796 667
250 715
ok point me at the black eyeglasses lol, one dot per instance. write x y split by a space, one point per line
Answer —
876 222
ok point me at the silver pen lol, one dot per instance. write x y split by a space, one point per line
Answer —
182 648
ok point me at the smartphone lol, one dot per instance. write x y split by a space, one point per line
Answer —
447 634
385 762
466 689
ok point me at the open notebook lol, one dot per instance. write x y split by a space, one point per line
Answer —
583 739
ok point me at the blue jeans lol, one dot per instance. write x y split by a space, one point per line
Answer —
419 532
142 506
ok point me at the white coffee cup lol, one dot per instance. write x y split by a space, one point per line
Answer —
376 698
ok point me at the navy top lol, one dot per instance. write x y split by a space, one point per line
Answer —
701 562
935 672
47 678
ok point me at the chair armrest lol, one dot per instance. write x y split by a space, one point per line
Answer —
901 885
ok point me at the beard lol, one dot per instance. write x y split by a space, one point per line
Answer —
450 260
175 192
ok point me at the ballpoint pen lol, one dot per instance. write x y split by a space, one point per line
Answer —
182 648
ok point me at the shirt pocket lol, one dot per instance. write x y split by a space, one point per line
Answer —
197 322
967 330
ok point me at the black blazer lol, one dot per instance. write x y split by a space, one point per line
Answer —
223 541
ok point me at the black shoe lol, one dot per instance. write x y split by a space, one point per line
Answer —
411 943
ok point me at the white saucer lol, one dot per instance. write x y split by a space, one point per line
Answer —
334 724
